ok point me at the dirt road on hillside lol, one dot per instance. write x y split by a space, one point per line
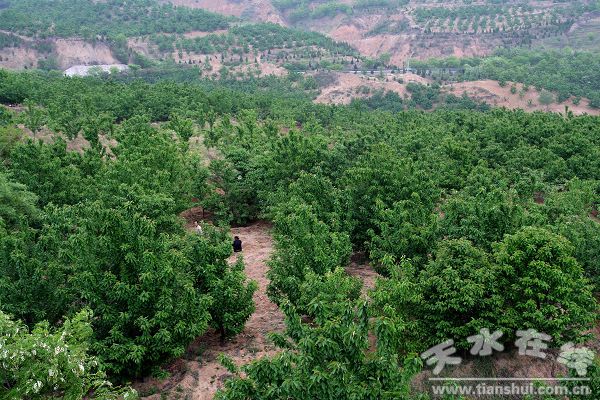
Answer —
199 375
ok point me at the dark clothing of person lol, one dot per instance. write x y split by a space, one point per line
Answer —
237 245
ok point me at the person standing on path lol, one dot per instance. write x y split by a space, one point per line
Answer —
237 244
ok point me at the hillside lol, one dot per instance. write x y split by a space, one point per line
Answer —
106 278
299 199
424 29
247 39
35 34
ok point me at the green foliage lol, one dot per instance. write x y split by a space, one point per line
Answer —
326 359
483 211
531 281
451 190
544 286
52 363
9 138
568 73
6 116
423 96
232 300
303 10
184 127
407 229
264 37
55 174
35 117
110 238
584 234
546 98
303 243
117 263
68 18
17 205
593 373
328 293
379 180
9 40
453 296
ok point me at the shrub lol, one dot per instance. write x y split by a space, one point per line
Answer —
303 243
543 286
532 281
332 292
232 300
407 229
52 363
325 359
453 296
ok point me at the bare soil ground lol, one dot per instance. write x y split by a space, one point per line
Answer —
360 268
199 375
348 86
73 52
68 52
18 58
491 92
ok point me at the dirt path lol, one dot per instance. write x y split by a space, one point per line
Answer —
359 267
199 375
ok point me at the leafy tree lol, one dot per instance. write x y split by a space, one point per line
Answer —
35 117
546 98
64 18
18 206
328 293
379 179
543 286
93 125
182 126
453 296
584 234
483 211
53 173
316 190
407 229
9 137
328 358
52 363
6 116
232 300
531 281
118 264
122 252
303 243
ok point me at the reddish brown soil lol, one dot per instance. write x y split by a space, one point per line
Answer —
491 92
349 85
360 268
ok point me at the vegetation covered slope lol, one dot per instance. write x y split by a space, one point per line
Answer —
440 202
89 19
